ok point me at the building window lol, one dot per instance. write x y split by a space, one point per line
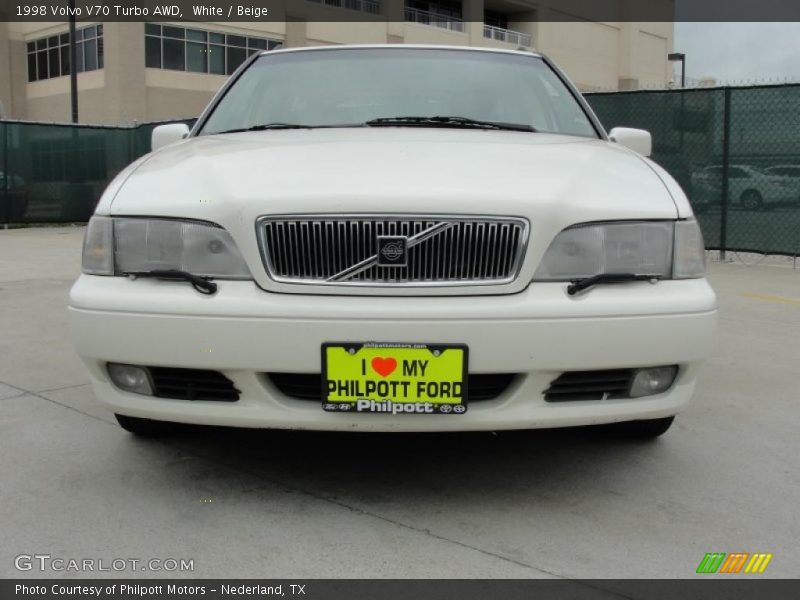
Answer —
368 6
445 14
493 18
49 57
441 8
198 51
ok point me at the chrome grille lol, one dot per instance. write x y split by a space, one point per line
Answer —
342 250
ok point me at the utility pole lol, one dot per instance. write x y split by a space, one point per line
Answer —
680 56
73 60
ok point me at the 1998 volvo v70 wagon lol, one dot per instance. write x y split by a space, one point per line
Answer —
394 238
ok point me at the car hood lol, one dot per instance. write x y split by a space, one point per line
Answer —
553 181
395 170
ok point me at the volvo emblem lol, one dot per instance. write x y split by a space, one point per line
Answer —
392 251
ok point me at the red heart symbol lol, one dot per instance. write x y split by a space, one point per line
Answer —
384 366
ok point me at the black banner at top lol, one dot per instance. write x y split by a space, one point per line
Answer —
397 10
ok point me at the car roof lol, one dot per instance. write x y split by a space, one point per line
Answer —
402 47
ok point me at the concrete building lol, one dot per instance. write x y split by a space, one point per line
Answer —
135 72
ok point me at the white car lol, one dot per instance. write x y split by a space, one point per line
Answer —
791 172
749 187
394 238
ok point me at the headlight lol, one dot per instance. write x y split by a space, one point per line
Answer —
690 251
666 249
98 247
114 246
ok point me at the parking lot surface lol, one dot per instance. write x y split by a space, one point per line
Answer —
243 503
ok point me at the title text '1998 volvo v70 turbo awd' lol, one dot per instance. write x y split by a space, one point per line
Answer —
394 238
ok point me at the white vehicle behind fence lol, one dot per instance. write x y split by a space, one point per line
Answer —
751 188
790 171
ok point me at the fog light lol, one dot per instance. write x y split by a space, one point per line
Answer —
651 381
130 378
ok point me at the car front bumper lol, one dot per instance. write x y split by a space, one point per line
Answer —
245 332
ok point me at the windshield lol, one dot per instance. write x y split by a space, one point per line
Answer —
349 87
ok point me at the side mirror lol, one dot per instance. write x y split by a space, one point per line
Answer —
637 140
164 135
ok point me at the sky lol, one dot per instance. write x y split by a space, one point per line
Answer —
739 52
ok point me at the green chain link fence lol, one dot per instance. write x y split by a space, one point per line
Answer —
734 150
51 172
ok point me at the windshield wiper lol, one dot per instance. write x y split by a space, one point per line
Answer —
204 285
578 285
266 126
435 121
446 121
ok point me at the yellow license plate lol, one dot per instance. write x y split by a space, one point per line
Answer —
394 378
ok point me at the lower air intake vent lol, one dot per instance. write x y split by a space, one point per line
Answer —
192 384
589 385
308 386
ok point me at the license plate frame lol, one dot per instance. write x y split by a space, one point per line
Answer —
450 395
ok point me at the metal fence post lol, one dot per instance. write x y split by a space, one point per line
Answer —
6 178
726 150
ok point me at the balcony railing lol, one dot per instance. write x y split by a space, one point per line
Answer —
434 20
508 35
372 7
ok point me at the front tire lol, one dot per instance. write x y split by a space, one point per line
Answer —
146 428
639 430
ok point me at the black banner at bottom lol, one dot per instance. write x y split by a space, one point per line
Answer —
732 588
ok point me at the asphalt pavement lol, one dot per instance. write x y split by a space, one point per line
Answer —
244 503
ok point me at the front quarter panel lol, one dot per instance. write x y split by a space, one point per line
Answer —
678 195
106 200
